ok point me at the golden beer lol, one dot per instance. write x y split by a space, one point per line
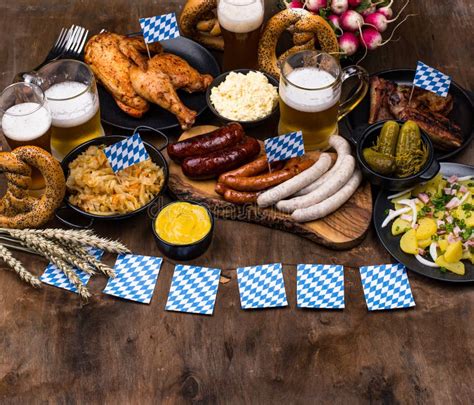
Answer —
76 116
25 120
310 92
241 22
73 100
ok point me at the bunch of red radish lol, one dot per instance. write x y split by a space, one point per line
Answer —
357 23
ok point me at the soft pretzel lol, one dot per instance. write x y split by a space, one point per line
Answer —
304 26
17 208
198 21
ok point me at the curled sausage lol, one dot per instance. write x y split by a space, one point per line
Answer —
295 184
215 163
267 180
213 141
343 148
331 204
331 186
40 210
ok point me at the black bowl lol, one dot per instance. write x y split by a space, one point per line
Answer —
246 124
368 138
155 156
184 252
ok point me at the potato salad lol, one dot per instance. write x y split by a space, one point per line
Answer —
436 222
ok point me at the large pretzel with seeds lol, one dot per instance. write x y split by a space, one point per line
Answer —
304 27
198 21
17 208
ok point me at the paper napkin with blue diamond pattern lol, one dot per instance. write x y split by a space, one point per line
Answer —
386 287
135 277
159 28
262 286
284 147
126 153
56 277
320 286
193 289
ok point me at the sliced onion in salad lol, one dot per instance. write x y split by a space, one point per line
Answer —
422 260
412 205
393 214
433 251
400 193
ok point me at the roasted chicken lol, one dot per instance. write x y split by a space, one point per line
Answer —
122 66
391 101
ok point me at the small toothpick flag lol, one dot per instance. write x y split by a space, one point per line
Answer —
430 79
159 28
126 153
284 147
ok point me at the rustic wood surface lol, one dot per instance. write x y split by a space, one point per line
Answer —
341 230
53 349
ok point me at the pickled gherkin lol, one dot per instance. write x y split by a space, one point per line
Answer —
400 152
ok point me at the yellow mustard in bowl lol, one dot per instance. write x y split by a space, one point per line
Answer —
182 223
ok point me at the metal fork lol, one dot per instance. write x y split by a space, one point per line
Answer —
69 44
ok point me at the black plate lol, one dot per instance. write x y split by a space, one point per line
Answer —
462 113
156 117
392 243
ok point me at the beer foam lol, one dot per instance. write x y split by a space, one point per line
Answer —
309 99
25 122
240 16
70 112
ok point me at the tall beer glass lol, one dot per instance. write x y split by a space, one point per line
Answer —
241 22
310 93
26 120
71 91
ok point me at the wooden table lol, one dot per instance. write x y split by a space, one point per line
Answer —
53 349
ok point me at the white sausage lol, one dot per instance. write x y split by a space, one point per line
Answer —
343 148
296 183
331 204
339 178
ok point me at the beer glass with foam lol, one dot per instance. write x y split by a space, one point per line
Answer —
310 95
26 120
240 22
71 92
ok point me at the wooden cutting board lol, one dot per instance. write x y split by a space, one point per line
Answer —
342 229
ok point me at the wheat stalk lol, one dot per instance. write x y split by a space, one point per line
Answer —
79 237
91 260
50 249
18 268
72 277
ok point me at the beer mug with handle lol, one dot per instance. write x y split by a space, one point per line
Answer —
71 91
26 120
310 96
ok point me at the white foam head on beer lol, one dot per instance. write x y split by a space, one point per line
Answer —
25 122
310 96
240 16
70 104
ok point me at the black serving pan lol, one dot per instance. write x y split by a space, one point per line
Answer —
156 117
462 113
155 155
392 243
368 139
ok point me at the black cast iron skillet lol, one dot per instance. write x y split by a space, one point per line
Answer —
155 156
462 113
392 243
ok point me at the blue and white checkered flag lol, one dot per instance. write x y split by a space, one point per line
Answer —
159 28
431 79
386 287
126 153
320 286
284 147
